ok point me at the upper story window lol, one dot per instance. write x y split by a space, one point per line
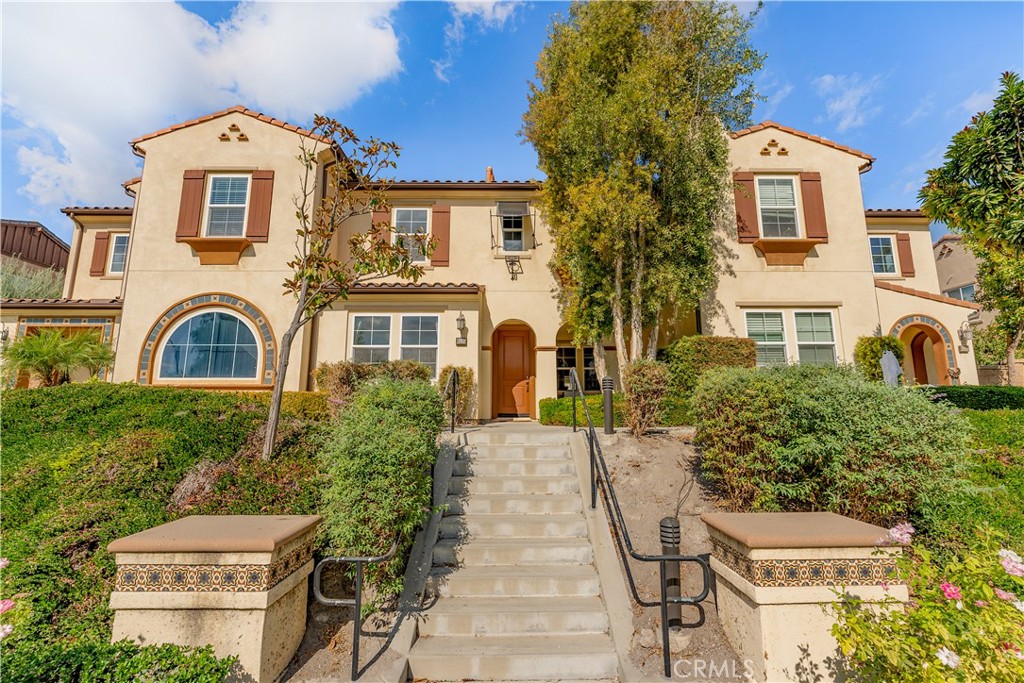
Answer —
118 254
965 293
767 330
210 345
512 216
226 205
776 200
408 224
883 256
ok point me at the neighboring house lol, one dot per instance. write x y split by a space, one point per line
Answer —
957 270
31 243
189 285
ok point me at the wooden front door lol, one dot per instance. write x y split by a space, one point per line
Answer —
513 372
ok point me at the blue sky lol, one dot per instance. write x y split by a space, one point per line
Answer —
448 82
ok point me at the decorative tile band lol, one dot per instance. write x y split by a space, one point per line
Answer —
777 573
210 578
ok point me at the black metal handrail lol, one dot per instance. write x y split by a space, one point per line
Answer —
355 602
451 392
621 533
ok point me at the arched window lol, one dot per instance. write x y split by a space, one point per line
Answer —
213 344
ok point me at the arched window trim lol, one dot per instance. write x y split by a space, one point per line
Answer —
181 320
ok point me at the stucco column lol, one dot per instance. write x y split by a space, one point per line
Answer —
547 382
777 572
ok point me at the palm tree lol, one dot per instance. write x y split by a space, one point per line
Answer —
53 354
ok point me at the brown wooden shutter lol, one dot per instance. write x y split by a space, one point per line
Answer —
99 254
382 216
815 225
191 210
257 226
746 207
906 254
440 230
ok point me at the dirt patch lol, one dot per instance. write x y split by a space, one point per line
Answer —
326 650
654 478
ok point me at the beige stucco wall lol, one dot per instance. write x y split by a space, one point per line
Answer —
956 267
79 283
165 272
924 276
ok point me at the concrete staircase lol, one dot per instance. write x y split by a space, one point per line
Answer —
518 596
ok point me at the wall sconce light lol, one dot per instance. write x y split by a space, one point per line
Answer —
5 335
515 268
460 323
966 334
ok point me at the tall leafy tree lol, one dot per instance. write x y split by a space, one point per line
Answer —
628 116
979 193
354 178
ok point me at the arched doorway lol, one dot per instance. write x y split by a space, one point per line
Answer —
929 357
514 372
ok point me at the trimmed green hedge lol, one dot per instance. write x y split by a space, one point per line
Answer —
378 459
867 354
690 357
308 405
979 398
340 380
558 411
121 662
797 438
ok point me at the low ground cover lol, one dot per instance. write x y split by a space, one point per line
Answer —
85 464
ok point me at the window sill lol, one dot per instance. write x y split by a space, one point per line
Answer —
501 254
786 251
218 251
889 276
117 276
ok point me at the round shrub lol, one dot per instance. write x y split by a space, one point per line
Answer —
810 438
867 354
340 380
690 357
646 384
465 401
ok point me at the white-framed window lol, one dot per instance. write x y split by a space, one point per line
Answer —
965 293
815 337
410 224
766 328
227 202
118 253
776 202
419 340
371 338
883 255
512 216
210 344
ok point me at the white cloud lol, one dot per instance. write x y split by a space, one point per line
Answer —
923 109
848 99
979 100
487 15
82 79
912 175
775 92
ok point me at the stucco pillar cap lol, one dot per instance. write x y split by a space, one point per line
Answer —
795 529
218 534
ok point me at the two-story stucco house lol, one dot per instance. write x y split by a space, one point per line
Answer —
187 284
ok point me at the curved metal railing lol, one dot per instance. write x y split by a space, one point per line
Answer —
599 477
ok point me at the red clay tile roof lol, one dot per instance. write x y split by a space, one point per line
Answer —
224 112
132 181
802 134
948 237
417 287
881 284
465 185
97 210
60 303
894 213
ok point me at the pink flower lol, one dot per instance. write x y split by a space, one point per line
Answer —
1011 562
1013 650
980 603
951 592
5 630
948 657
6 606
1003 595
901 534
4 562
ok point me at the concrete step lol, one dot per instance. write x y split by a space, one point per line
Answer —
520 452
514 658
513 525
513 551
520 485
498 581
510 616
513 503
513 467
528 438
